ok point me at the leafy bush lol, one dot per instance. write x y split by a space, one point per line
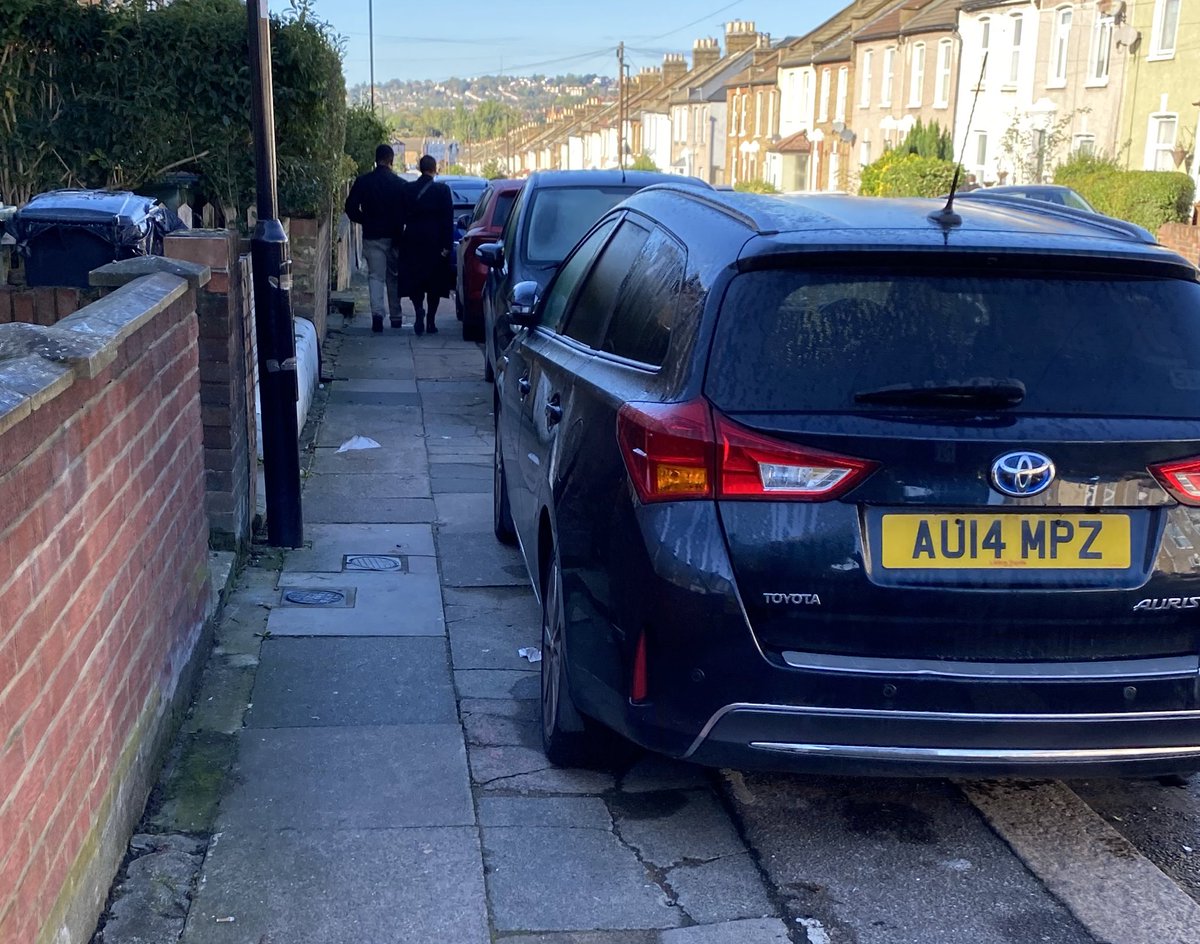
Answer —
493 170
927 140
907 175
364 133
643 162
1149 198
116 93
755 186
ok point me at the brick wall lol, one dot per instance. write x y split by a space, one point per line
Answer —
43 306
1183 238
226 391
103 589
311 254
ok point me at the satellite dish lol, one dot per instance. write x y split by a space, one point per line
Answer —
847 135
839 127
1126 35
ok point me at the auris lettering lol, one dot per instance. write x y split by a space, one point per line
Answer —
796 599
1167 603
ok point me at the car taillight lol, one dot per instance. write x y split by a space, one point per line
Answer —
677 451
639 685
1180 478
751 465
668 449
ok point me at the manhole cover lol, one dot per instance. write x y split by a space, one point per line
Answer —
395 563
302 597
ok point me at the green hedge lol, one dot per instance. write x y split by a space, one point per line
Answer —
896 174
755 186
114 94
1149 198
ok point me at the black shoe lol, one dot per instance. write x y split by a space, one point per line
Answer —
418 330
397 323
377 325
432 329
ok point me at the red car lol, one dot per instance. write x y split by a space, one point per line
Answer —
485 226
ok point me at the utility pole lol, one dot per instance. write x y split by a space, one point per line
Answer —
371 47
621 105
272 303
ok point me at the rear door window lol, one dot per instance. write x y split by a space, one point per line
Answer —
569 276
559 216
504 204
482 207
1080 344
597 298
640 328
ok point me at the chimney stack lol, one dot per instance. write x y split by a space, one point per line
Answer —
647 78
705 52
740 35
674 67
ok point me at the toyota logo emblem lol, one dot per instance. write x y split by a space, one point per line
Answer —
1021 474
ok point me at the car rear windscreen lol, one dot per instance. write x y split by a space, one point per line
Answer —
559 216
807 341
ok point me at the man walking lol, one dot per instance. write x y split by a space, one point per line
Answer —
376 202
428 242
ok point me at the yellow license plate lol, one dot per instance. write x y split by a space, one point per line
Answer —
987 542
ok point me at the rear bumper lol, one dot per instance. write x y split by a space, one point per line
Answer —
860 741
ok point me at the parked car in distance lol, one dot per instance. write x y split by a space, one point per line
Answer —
465 193
483 226
553 210
1048 193
853 485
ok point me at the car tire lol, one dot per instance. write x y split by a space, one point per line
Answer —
472 330
502 522
569 737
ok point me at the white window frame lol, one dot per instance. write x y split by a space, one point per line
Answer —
864 95
916 76
864 152
1099 52
843 92
945 63
1157 49
823 104
1155 149
1083 143
1017 26
985 42
1060 47
981 151
889 75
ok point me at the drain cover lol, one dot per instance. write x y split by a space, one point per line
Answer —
393 563
309 596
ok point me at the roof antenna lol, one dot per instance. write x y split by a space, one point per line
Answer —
946 215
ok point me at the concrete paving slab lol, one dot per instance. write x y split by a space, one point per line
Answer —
464 514
724 889
488 626
330 543
349 778
323 488
342 397
457 477
524 770
672 826
573 812
520 710
386 427
753 931
494 731
533 886
585 937
351 509
395 384
300 887
496 684
656 772
309 682
384 605
470 562
396 453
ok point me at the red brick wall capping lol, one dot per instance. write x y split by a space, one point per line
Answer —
116 274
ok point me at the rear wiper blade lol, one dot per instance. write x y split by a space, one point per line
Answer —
974 392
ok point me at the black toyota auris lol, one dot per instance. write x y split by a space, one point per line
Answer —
856 484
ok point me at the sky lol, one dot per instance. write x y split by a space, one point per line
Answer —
551 37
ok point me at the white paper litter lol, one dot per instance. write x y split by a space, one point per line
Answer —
532 653
358 442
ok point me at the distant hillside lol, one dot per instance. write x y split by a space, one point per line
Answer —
528 96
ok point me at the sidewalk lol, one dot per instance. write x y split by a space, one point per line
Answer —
380 731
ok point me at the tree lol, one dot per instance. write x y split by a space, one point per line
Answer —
364 133
494 170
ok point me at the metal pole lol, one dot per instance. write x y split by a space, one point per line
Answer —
272 304
371 47
621 105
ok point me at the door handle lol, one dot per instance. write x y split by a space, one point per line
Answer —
553 412
523 386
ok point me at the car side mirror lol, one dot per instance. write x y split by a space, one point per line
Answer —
492 254
522 307
464 221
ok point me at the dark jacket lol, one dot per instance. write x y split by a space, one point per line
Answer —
376 202
428 231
